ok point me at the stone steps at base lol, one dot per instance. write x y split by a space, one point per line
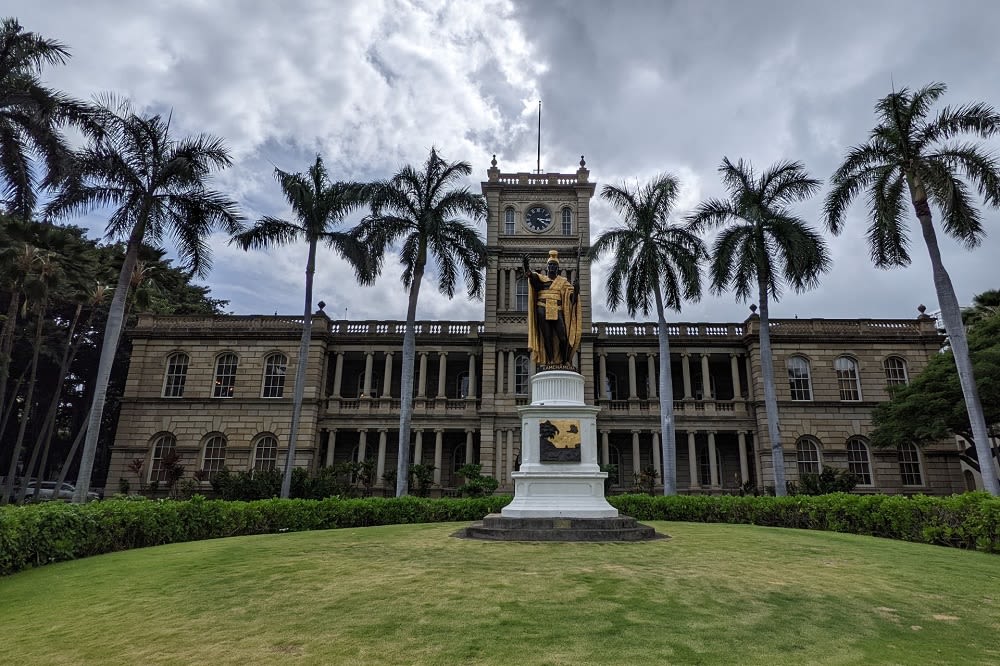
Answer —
497 528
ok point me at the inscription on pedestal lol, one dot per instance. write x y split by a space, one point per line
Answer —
559 440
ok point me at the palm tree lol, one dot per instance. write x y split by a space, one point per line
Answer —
319 206
912 153
156 186
767 246
424 209
655 265
31 115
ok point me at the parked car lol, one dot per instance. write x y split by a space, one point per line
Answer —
47 491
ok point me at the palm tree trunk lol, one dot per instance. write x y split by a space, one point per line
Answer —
69 355
6 347
72 451
668 437
952 315
112 334
406 387
300 372
25 417
770 393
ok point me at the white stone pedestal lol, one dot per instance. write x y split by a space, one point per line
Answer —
558 489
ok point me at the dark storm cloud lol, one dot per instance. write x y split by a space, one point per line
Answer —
643 87
638 87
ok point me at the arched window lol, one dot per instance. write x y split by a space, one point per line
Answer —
164 445
521 294
567 222
275 366
213 457
521 368
847 378
265 453
859 461
798 378
177 368
508 221
909 465
457 458
225 375
807 456
895 371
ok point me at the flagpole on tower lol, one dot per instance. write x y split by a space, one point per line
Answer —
539 164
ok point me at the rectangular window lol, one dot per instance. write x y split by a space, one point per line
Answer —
909 465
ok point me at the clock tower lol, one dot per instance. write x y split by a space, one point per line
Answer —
530 214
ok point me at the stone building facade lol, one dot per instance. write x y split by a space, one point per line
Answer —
218 389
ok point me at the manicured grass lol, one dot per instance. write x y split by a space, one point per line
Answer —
412 594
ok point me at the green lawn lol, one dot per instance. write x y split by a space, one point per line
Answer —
711 594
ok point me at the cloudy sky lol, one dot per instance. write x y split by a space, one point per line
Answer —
638 87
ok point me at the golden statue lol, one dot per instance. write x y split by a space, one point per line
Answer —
554 316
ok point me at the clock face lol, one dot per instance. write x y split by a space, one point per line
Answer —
538 218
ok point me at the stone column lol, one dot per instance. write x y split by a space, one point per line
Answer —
713 458
380 464
338 374
602 381
656 456
706 379
749 377
511 372
331 443
469 451
362 445
734 364
438 452
686 373
418 446
744 472
498 446
422 378
442 374
369 363
501 289
471 393
501 365
693 461
636 457
510 452
387 376
605 448
632 393
651 375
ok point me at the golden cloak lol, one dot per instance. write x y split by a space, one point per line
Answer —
572 315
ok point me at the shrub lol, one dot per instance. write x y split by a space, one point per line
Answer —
34 535
476 485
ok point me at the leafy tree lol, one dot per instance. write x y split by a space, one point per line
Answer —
911 153
930 408
655 265
31 115
764 246
319 207
423 211
984 306
156 186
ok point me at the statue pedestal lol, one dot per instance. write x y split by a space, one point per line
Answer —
559 475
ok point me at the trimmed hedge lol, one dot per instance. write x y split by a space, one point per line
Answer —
35 535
